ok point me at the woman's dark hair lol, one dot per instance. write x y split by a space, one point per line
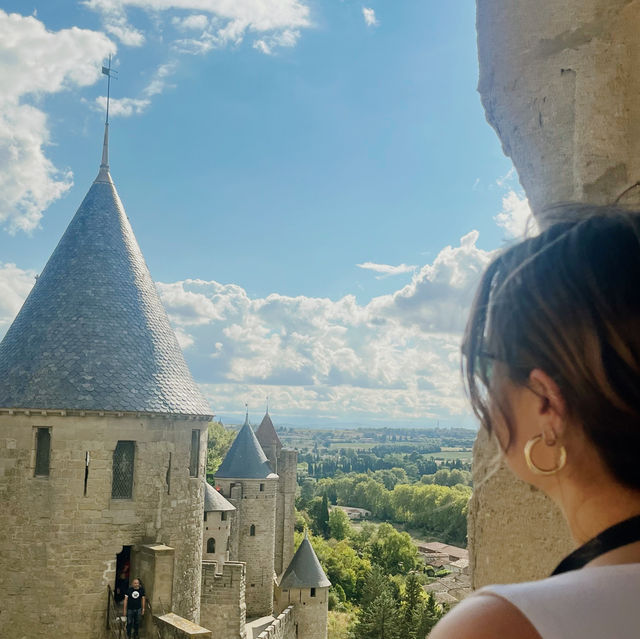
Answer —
568 302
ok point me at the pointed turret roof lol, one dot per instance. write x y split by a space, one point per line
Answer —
93 334
305 570
245 459
214 501
266 433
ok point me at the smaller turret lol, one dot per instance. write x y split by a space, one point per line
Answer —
248 482
305 586
218 513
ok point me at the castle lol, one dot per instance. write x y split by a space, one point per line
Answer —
103 438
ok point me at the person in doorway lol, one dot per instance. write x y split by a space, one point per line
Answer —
134 607
551 357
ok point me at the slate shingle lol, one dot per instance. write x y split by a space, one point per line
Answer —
93 334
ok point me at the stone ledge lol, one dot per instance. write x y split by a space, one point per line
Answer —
182 626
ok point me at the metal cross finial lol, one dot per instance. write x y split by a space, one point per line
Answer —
110 73
267 403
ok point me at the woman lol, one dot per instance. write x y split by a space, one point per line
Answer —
552 364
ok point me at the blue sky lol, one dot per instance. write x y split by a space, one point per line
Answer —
299 175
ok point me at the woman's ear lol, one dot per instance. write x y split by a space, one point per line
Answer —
552 406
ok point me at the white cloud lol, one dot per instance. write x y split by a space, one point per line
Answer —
126 107
221 22
516 217
193 22
122 107
369 17
15 284
386 270
286 38
395 357
35 62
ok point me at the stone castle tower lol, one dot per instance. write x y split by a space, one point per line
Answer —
103 436
284 463
305 586
246 480
260 541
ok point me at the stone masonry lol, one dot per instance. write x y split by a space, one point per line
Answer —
222 604
255 502
58 544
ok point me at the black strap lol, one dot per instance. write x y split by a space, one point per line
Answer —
621 534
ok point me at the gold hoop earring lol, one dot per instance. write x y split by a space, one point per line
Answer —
528 448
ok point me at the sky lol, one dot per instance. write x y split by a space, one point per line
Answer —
312 182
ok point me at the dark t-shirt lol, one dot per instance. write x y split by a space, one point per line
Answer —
134 598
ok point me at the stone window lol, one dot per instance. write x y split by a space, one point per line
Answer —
261 488
211 545
252 530
43 451
313 592
195 453
223 516
122 481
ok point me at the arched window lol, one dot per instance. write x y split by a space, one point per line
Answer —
252 531
211 545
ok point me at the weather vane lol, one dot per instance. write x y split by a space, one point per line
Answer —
110 73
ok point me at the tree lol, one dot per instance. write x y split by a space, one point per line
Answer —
394 551
412 606
218 443
308 489
380 619
431 614
375 582
339 524
323 519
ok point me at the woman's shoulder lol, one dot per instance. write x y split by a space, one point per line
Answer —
484 616
586 602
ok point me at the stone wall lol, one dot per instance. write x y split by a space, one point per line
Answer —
312 609
222 605
217 524
254 507
559 84
172 626
58 544
283 627
515 531
285 508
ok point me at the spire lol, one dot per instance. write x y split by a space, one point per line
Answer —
103 174
305 570
267 435
93 334
245 459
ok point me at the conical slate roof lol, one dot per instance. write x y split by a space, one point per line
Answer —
245 459
214 501
305 570
267 435
93 334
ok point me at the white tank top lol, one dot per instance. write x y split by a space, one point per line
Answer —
600 602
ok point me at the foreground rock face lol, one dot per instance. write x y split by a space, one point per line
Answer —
515 532
559 84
